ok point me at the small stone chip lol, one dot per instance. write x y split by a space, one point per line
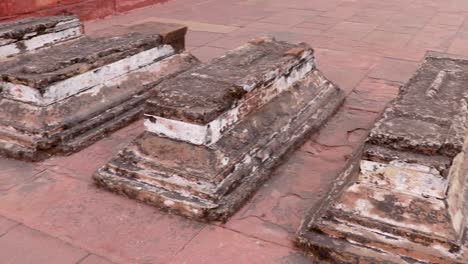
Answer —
297 51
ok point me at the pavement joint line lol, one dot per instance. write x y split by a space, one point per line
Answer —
11 227
52 236
188 242
252 236
83 258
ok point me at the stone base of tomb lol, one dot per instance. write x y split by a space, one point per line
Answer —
76 89
251 150
34 33
403 197
374 236
35 132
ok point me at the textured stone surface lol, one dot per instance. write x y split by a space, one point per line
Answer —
172 34
33 33
225 80
210 181
64 61
402 198
63 98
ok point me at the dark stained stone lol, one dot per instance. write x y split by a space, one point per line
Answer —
201 94
430 114
193 98
172 34
60 114
278 97
40 69
22 29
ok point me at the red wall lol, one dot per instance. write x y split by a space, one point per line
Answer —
86 9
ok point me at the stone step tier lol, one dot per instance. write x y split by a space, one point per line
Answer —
34 33
403 197
214 133
62 98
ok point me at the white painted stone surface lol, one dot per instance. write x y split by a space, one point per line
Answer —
408 178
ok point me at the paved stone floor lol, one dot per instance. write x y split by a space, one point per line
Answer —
50 212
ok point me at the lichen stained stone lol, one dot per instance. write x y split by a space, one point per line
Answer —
403 197
215 132
64 97
33 33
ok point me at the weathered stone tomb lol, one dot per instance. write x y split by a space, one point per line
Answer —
214 133
34 33
63 97
403 197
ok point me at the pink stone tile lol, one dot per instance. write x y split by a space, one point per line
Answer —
323 20
290 17
406 23
219 245
119 229
350 30
405 53
200 38
84 163
372 95
13 172
206 53
346 78
347 128
459 46
341 12
93 259
388 39
398 28
317 27
6 225
218 12
395 5
268 27
24 245
394 70
347 69
316 5
346 59
434 37
372 16
450 19
301 31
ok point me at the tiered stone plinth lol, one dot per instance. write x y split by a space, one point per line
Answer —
34 33
403 197
214 133
64 97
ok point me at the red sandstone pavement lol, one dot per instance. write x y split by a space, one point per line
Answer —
50 212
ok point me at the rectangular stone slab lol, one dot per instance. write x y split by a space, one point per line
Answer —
34 33
228 88
80 91
172 34
402 197
210 182
61 71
